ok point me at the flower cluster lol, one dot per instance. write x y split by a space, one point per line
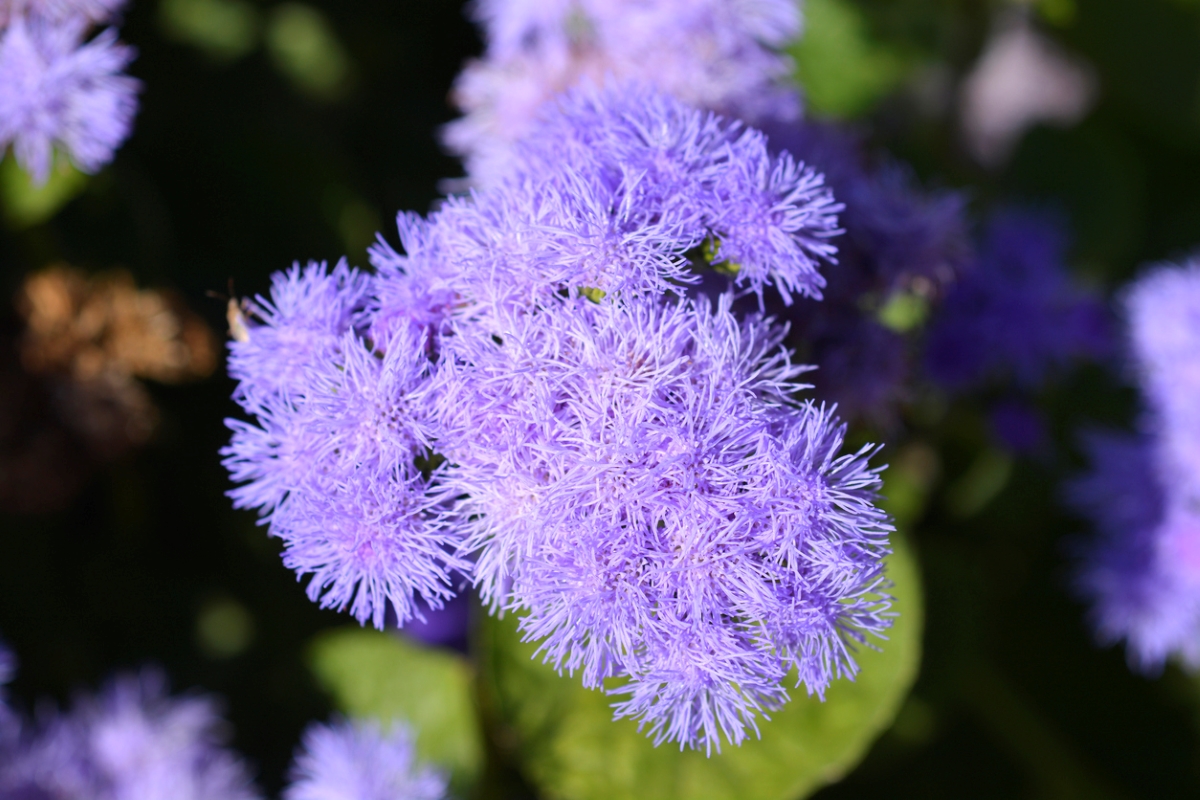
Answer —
1142 574
716 54
133 741
359 761
60 89
527 396
130 741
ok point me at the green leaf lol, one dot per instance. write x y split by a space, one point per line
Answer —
842 70
27 203
373 674
568 744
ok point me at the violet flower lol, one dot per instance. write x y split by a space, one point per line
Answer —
132 742
59 89
524 396
721 55
1142 572
359 761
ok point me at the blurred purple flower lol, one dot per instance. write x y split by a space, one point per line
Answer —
1142 573
1163 310
358 761
61 10
132 742
721 55
1132 574
446 626
56 89
1017 313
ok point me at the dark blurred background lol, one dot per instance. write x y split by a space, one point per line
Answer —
276 132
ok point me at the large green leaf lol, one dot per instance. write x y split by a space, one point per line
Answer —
568 744
373 674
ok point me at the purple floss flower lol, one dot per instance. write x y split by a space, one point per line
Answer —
333 468
131 742
1131 572
1163 313
647 496
61 10
1017 313
300 327
359 761
720 55
628 181
58 90
1142 574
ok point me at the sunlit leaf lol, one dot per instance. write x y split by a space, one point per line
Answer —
568 744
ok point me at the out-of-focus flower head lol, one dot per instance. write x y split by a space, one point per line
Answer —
131 742
721 55
1018 313
623 467
1142 572
59 89
360 761
1164 331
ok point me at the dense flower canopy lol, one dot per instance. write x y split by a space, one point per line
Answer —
527 396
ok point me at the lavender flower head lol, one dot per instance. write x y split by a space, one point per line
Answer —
624 468
1017 313
1164 328
132 742
716 54
1142 573
359 761
59 89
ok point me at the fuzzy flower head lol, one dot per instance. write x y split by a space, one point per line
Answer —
613 190
132 742
716 54
59 90
655 506
524 396
360 761
333 466
1141 573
